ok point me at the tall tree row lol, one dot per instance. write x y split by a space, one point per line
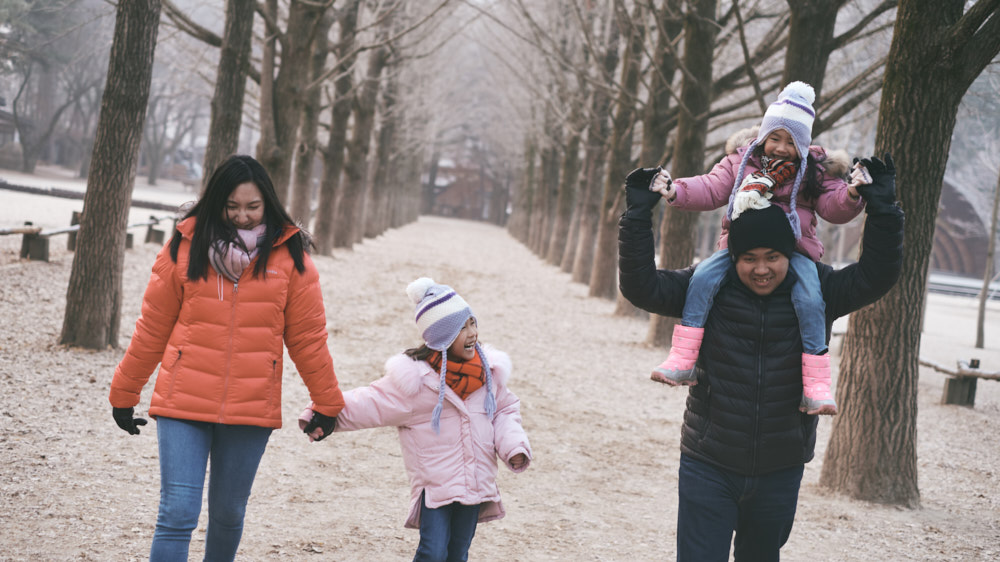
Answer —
938 49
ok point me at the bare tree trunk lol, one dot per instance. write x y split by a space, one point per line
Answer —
936 53
305 149
656 116
520 217
347 229
93 298
603 276
340 114
281 107
810 40
676 240
565 195
988 269
386 161
542 199
230 86
598 133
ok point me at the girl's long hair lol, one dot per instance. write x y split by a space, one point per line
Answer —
420 353
210 225
812 185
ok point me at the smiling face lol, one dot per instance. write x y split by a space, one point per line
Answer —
464 346
780 144
762 269
245 206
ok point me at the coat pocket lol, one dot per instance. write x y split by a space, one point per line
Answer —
174 371
273 387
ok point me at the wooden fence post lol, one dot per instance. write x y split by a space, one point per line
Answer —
71 237
34 246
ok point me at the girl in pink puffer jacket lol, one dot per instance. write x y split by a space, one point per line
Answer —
449 401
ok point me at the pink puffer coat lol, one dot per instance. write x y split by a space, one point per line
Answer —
460 463
711 191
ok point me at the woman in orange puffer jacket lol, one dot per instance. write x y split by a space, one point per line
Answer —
233 284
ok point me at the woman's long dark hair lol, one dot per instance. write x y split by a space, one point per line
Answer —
210 225
812 187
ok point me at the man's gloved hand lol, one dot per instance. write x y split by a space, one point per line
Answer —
639 200
323 422
880 195
123 417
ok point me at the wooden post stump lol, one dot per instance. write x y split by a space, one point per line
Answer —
34 246
71 237
960 391
153 234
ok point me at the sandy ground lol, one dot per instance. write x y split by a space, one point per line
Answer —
603 483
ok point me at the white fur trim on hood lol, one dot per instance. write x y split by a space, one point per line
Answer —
836 162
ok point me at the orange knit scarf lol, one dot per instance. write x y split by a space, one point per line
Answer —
462 377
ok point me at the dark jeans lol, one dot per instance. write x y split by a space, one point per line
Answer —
715 503
446 532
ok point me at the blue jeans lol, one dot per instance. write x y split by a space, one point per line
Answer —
714 503
807 298
185 449
446 532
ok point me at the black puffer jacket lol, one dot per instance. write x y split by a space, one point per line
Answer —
743 414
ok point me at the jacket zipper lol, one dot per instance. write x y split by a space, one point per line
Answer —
229 352
757 392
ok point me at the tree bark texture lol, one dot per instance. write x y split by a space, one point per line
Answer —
282 109
935 55
386 162
340 114
603 275
347 228
565 194
677 239
520 218
307 145
93 298
810 41
656 115
598 135
230 86
543 194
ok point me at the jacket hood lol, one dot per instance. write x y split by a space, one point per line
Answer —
186 228
835 162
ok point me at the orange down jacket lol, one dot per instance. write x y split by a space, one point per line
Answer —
219 343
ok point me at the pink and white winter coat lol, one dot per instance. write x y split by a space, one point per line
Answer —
711 191
460 463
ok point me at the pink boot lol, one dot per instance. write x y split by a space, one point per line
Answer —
678 369
816 396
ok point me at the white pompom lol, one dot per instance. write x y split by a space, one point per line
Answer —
417 289
799 90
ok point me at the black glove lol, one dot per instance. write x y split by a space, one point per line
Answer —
123 417
880 195
639 200
326 423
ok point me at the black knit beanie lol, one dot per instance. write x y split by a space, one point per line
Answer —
761 228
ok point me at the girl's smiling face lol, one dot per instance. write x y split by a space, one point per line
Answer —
245 207
464 346
780 144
